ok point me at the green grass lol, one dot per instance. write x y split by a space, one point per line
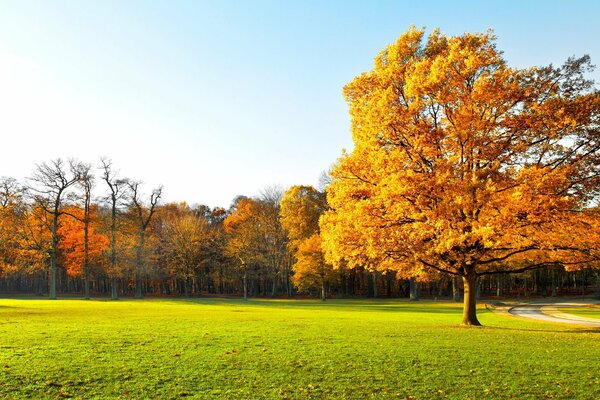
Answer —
591 312
229 349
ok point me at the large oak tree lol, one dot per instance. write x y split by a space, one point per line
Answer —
464 165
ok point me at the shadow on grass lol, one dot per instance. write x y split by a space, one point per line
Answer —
393 306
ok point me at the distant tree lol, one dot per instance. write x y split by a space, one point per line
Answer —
273 239
301 208
81 247
117 195
142 215
87 183
243 237
466 166
186 237
49 185
11 215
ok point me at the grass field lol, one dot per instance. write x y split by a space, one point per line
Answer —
591 312
213 348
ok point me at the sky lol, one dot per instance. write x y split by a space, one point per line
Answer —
214 99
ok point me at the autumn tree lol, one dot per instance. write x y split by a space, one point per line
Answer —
142 215
301 208
86 183
272 237
49 185
116 198
243 237
186 237
11 215
466 166
81 244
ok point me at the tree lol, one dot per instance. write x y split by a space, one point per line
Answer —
273 240
243 237
49 184
143 216
301 208
87 183
11 215
116 197
466 166
185 238
80 246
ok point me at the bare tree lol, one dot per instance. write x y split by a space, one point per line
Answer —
87 183
49 186
118 189
143 216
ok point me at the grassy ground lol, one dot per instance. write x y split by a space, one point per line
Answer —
591 312
286 350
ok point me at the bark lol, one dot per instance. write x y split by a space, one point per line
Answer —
499 286
113 253
138 265
323 298
455 290
470 303
245 281
374 283
53 266
86 261
414 289
114 295
52 280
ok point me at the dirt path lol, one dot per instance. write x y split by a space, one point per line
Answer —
550 312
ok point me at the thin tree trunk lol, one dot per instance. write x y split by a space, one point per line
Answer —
470 303
138 266
499 285
114 294
455 289
86 262
52 278
374 283
245 280
414 291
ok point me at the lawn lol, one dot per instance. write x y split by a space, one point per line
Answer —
212 348
589 312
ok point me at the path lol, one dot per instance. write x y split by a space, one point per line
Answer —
550 312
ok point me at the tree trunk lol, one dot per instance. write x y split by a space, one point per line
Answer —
455 289
53 266
414 290
113 288
554 284
374 283
323 289
499 286
245 279
470 303
86 261
113 250
52 283
138 266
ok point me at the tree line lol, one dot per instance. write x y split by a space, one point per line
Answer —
57 237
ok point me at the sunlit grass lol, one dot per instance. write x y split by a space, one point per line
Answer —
589 312
213 348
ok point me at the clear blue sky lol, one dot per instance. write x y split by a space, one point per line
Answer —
214 99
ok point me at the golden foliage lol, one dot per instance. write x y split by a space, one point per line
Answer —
464 165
